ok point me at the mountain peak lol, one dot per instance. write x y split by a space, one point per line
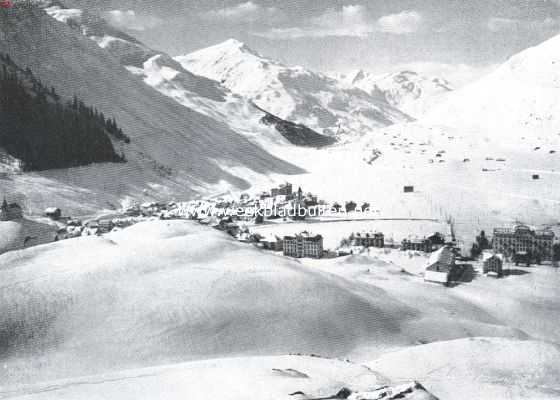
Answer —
232 44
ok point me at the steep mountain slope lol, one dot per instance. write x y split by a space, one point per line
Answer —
406 90
166 75
174 150
516 105
296 94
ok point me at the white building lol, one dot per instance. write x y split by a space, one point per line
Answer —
440 266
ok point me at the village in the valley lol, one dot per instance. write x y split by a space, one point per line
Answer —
296 224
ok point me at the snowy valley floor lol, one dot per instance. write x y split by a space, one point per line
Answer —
132 314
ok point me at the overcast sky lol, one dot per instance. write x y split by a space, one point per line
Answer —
456 38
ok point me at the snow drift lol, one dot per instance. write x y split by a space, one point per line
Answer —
162 292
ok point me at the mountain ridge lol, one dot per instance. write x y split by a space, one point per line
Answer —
174 151
292 93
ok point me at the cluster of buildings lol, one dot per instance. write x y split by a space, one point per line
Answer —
520 244
279 202
73 227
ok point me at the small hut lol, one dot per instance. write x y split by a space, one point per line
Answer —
53 213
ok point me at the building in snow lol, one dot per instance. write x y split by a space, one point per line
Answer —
493 264
10 211
440 266
303 245
53 213
417 244
285 189
374 239
521 239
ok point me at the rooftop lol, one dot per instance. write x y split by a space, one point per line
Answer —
443 256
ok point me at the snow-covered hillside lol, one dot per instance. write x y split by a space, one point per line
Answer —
408 91
167 76
174 151
292 93
162 292
516 105
169 292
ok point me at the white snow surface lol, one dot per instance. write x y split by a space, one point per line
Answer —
503 369
265 378
162 292
408 91
515 105
167 292
293 93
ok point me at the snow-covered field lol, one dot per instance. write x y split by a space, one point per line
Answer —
167 292
266 378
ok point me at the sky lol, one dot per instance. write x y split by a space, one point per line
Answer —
457 39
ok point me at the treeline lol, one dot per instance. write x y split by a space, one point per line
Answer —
45 133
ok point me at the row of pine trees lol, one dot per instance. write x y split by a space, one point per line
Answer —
45 133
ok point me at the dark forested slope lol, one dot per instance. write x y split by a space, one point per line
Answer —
37 127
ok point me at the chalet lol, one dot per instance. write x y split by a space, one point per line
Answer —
53 213
521 239
10 211
493 264
303 245
440 266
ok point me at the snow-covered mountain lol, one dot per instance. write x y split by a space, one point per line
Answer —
293 93
166 75
516 105
409 91
174 150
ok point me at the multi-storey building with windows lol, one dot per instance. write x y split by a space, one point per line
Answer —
375 239
521 239
303 245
